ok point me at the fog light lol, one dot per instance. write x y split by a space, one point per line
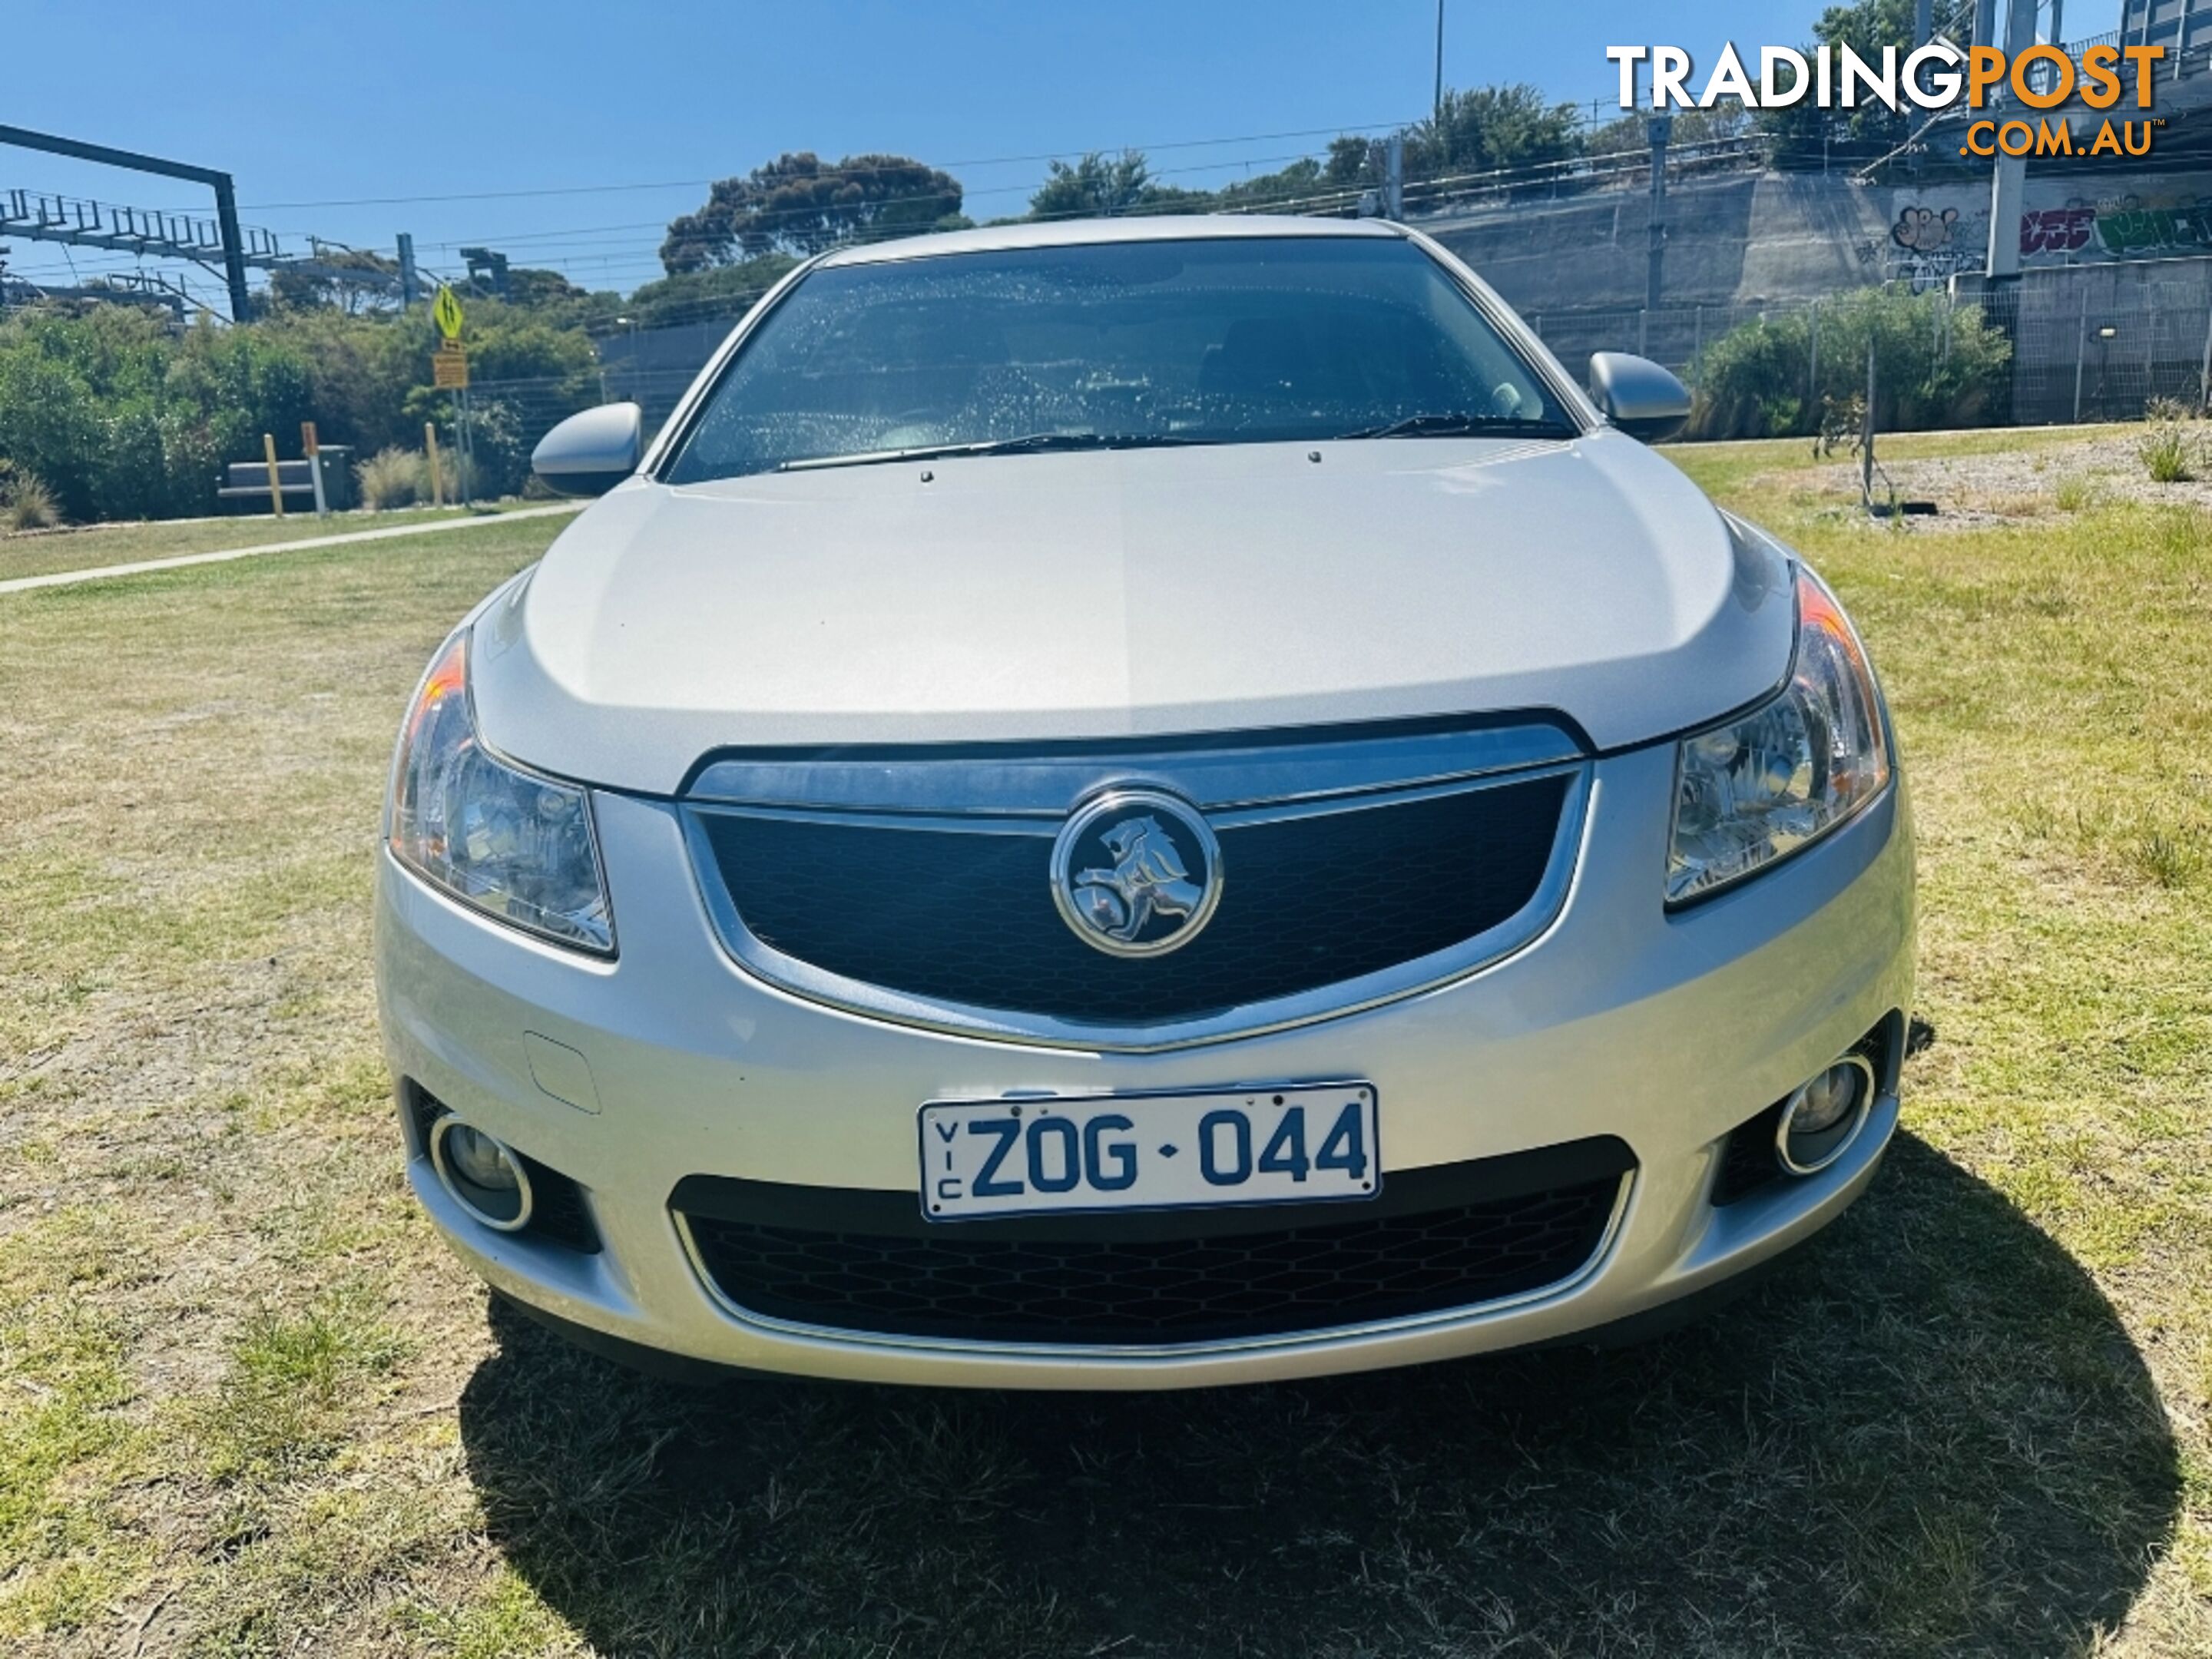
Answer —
1823 1116
481 1173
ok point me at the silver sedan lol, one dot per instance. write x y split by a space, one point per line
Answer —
1137 805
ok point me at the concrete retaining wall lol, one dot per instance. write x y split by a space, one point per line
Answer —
1782 238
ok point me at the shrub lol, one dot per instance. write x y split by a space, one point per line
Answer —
125 417
393 478
26 503
122 418
2073 493
1935 365
2169 452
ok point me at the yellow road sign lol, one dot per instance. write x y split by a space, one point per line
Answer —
446 312
449 368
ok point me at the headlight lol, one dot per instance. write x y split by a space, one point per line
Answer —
1749 794
516 845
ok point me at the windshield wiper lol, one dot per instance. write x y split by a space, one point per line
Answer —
1034 443
1463 426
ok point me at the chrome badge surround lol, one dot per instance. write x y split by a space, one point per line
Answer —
1112 908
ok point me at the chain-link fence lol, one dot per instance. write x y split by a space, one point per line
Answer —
2096 360
2095 344
2100 350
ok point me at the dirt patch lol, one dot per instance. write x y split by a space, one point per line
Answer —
2012 486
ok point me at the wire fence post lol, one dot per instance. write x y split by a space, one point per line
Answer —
2205 371
1866 432
1812 364
2081 353
2150 313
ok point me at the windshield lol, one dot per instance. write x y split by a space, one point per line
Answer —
1226 340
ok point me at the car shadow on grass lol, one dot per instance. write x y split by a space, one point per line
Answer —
1929 1431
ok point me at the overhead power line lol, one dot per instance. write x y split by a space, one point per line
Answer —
826 172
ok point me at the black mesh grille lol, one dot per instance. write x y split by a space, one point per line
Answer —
1747 1161
1027 1285
967 917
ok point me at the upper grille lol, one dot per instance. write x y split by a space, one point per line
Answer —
1451 1238
965 915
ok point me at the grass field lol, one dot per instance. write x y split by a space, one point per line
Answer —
248 1406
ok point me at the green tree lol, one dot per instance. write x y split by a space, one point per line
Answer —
1488 128
1691 127
1102 186
1097 186
1351 163
352 279
1866 27
800 204
687 296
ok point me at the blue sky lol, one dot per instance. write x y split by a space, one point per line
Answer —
316 107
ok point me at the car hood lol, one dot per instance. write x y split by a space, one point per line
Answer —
1125 593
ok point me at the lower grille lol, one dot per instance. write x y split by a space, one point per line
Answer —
1164 1278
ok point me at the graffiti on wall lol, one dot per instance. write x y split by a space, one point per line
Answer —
1928 245
2055 230
1930 241
2130 226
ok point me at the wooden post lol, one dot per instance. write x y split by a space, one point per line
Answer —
275 481
430 449
314 451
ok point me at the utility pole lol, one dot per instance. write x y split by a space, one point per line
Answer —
409 285
1660 128
1923 23
2008 179
1439 106
1394 176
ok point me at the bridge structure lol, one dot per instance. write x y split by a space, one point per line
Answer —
43 216
220 243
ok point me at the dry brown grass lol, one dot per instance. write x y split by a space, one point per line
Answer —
248 1406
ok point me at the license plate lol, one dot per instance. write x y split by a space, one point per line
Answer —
1313 1143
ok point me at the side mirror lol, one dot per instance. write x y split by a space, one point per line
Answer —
589 454
1637 396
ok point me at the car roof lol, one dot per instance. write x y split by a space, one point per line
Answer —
1082 233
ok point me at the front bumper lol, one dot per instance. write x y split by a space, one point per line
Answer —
1619 1020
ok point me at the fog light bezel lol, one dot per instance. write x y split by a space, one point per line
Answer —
1870 1088
456 1186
